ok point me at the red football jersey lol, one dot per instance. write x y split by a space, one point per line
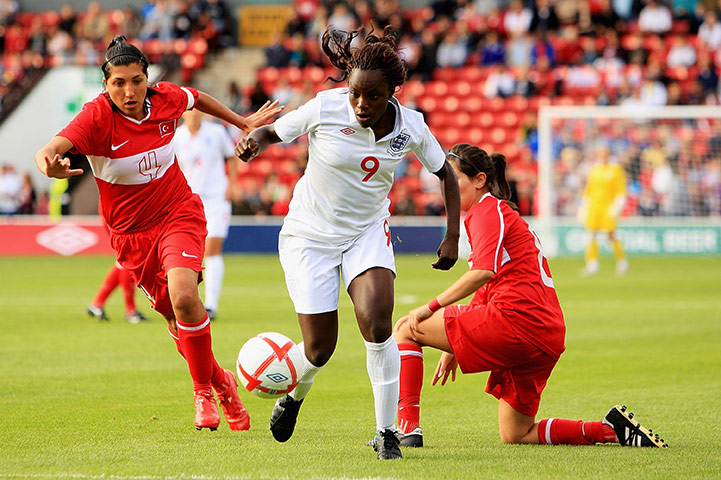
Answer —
522 288
134 160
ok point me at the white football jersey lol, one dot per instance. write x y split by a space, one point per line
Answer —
202 158
350 172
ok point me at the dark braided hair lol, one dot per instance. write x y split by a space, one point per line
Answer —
120 53
376 53
473 160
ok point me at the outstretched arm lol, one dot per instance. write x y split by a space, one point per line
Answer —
256 142
211 106
448 250
49 162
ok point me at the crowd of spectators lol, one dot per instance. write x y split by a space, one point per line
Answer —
600 52
478 55
170 31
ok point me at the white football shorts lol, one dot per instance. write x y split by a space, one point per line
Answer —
313 269
217 217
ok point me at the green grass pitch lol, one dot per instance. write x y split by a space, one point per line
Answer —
81 399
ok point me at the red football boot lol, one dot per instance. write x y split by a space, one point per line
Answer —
206 410
233 409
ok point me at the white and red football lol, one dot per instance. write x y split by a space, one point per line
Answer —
268 365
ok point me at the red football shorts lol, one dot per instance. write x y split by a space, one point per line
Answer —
177 241
482 340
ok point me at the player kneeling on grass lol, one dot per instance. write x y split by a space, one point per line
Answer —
513 326
156 223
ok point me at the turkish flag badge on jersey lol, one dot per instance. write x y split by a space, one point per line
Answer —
166 128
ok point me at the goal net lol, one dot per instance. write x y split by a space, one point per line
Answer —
671 157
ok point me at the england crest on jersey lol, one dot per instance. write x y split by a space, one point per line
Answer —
398 143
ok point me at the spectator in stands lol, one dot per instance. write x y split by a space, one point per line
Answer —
710 31
234 98
674 94
298 55
283 91
60 46
68 18
653 92
605 19
517 20
182 22
10 188
452 51
493 51
26 197
428 55
708 79
277 55
402 201
655 18
569 51
158 22
500 83
544 18
542 48
130 22
342 19
37 36
93 24
258 96
681 54
218 14
519 50
633 50
8 10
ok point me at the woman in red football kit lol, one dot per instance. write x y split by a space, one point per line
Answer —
513 326
157 225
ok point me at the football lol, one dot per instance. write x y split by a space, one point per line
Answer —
268 365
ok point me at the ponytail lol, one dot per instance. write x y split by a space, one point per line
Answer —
120 53
474 160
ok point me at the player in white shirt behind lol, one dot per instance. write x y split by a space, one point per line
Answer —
204 148
338 226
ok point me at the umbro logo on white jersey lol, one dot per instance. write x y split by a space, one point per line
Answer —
188 255
347 131
115 147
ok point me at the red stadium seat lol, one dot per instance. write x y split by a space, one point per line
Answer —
498 135
267 75
461 119
436 89
472 104
460 88
517 103
475 135
427 104
449 104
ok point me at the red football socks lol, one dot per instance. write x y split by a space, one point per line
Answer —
556 431
218 376
126 281
110 282
195 346
409 407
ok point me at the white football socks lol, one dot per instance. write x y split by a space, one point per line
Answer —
306 375
383 361
213 278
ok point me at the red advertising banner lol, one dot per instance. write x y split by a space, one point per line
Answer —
41 236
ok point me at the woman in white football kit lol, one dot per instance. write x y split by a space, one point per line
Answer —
204 148
337 225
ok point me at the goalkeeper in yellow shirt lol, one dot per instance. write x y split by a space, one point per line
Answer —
603 200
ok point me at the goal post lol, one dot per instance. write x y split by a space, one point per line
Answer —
672 159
